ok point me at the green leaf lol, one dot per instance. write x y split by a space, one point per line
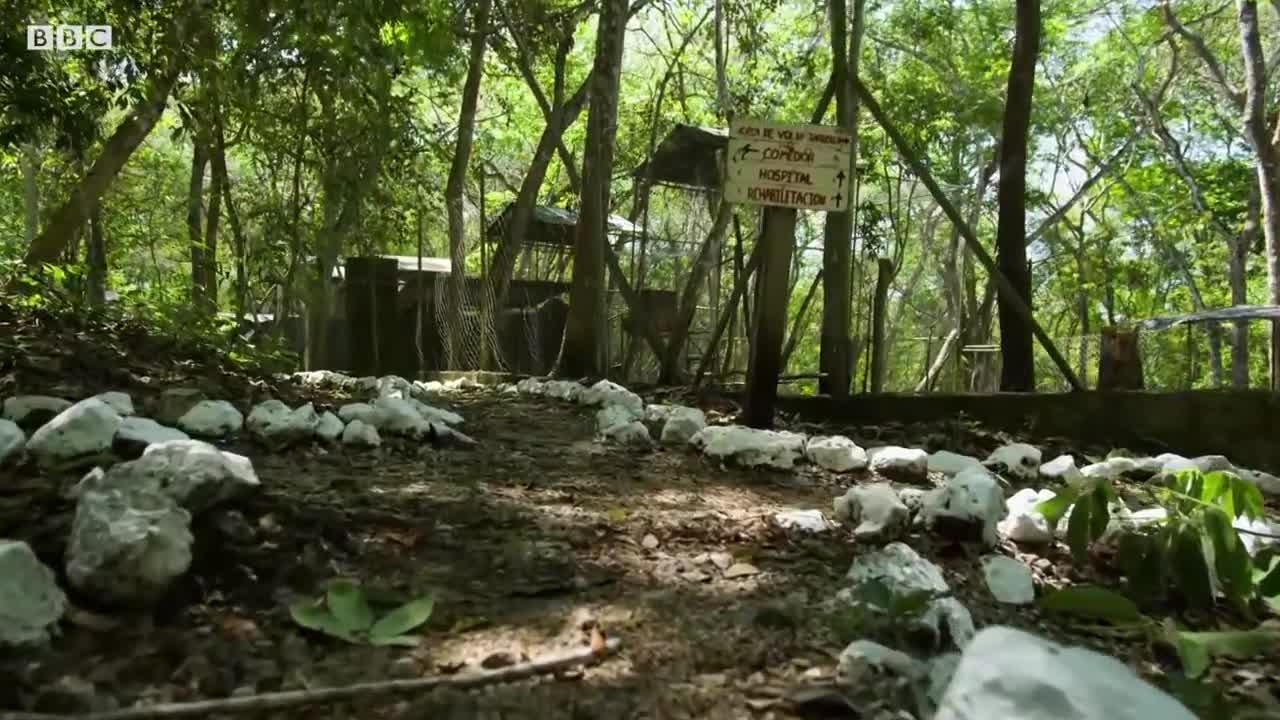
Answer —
1190 569
403 619
1093 602
1055 507
1101 514
395 640
347 603
1231 559
1215 484
316 617
1246 498
1078 526
1201 647
1268 581
1139 558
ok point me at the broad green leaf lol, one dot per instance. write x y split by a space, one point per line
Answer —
1239 644
348 604
317 617
1246 498
404 618
1140 560
1101 514
1190 569
1215 484
1078 526
1055 507
1093 602
1268 581
1230 558
395 640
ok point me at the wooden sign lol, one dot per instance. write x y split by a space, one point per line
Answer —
797 166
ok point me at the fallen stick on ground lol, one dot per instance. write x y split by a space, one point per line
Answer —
294 698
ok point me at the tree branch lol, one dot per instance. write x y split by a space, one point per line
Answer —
1201 48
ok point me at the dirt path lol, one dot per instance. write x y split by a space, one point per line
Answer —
526 541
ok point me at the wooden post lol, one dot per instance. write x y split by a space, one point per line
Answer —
878 312
763 365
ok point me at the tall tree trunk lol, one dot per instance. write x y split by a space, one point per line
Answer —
801 322
1017 353
457 184
195 223
1268 160
584 351
880 311
96 279
209 268
30 162
239 243
1237 278
835 346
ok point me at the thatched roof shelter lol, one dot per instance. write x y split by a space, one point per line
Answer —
552 226
687 157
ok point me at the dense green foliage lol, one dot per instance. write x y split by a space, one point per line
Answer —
339 119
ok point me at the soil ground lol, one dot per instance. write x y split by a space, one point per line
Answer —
528 541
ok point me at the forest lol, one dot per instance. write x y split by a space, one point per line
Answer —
376 358
231 168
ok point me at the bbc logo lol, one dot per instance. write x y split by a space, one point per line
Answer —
68 37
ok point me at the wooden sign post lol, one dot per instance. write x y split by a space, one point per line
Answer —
784 167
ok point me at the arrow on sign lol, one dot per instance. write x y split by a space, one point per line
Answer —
838 199
744 151
839 179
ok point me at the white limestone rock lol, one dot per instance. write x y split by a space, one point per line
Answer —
750 447
394 386
12 441
1009 581
423 389
366 386
127 546
632 433
1269 529
682 423
1019 461
436 415
396 416
913 498
1213 463
909 465
32 411
607 393
864 663
877 511
1113 469
31 603
173 403
836 453
949 463
78 436
531 386
567 390
118 401
363 412
195 474
1122 520
329 428
657 413
806 520
136 434
508 389
611 416
1268 484
360 434
1022 523
903 571
324 378
1061 469
462 383
1008 674
1173 463
968 507
212 418
277 426
940 671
